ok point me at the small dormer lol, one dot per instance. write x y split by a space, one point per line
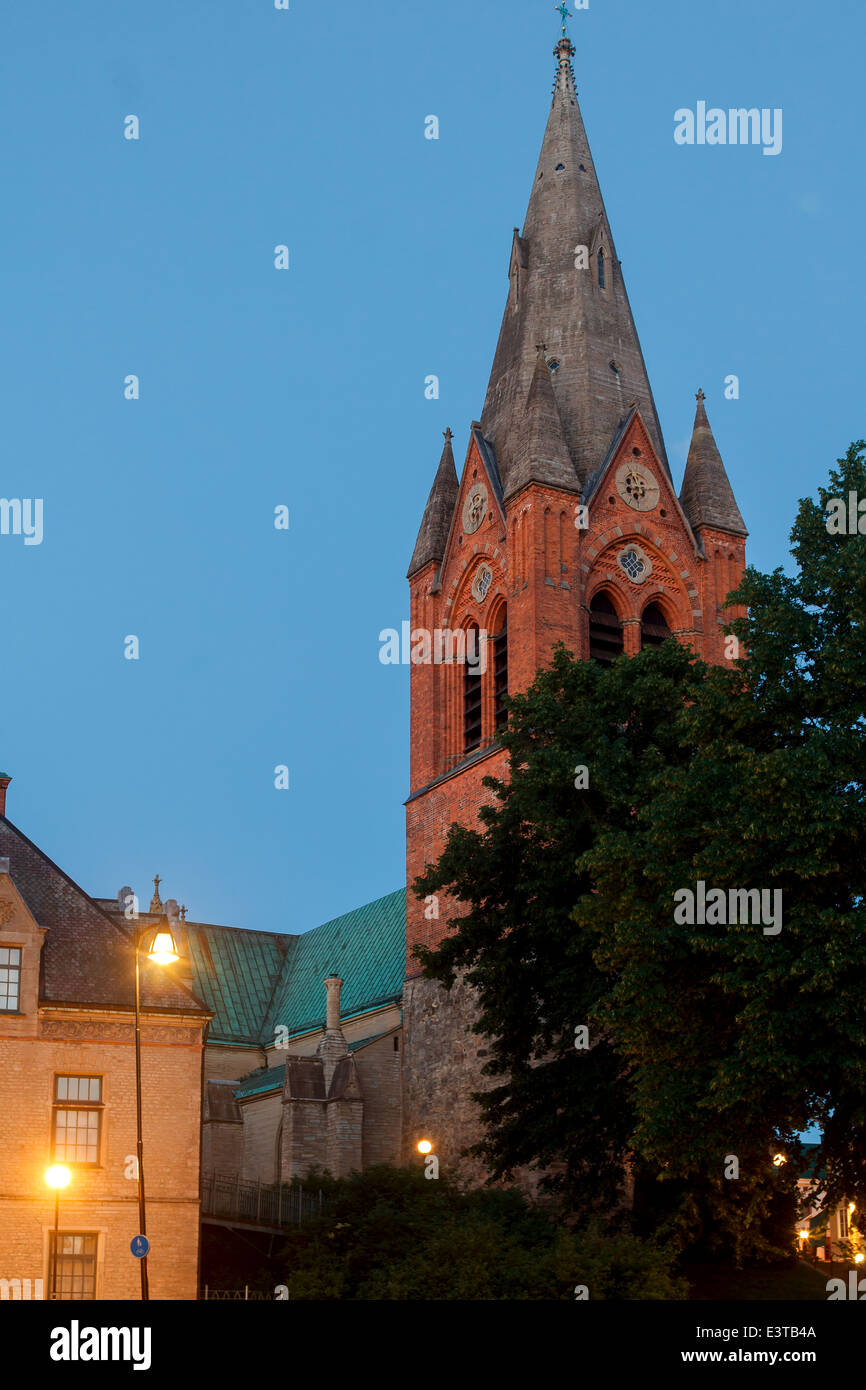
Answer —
21 941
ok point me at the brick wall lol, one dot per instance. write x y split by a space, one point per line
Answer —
379 1071
261 1116
102 1199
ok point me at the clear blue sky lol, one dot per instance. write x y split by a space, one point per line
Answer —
306 387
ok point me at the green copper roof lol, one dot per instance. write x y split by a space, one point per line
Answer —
257 981
271 1079
366 948
362 1042
235 973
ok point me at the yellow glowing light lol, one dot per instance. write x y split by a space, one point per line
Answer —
163 951
58 1176
424 1146
804 1235
851 1207
858 1259
778 1160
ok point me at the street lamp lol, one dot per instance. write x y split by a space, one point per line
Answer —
162 951
56 1177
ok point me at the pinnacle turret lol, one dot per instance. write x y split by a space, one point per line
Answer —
436 521
707 497
541 454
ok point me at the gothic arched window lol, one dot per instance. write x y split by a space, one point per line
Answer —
500 672
605 630
601 279
472 682
653 627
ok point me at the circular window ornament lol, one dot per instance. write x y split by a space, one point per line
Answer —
635 563
474 508
637 486
481 583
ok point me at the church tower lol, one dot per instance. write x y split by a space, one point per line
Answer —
563 525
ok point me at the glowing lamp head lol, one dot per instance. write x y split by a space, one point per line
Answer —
779 1160
163 949
424 1146
851 1208
858 1259
58 1176
804 1235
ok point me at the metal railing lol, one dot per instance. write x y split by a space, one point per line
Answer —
261 1204
244 1295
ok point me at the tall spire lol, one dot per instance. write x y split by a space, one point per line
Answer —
707 497
436 521
567 290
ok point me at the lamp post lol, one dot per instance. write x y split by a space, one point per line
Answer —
56 1177
162 951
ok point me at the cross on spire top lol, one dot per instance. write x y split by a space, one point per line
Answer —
565 13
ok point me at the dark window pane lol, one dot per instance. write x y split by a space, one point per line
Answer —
605 631
500 675
472 681
653 627
76 1266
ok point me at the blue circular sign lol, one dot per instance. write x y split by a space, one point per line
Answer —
139 1245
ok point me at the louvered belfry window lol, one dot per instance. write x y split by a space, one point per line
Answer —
653 627
472 682
605 630
500 674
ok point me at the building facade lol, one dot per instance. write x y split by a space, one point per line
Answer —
68 1094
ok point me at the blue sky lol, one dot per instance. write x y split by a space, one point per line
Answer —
306 387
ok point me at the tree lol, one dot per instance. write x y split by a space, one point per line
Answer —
388 1233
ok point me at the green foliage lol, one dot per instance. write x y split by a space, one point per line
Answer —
391 1234
707 1041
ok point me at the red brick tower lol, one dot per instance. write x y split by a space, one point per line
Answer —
564 525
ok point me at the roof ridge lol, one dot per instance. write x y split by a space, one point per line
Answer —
125 936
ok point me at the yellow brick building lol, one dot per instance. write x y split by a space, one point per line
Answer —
67 1094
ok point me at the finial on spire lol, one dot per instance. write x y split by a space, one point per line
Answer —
700 395
156 902
448 435
565 13
541 347
183 913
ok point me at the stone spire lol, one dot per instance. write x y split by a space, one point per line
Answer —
436 521
542 454
707 497
556 296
